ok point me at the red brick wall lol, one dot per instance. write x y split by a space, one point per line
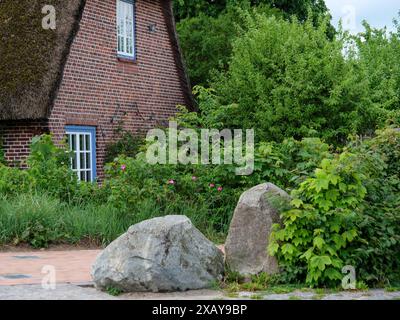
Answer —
100 90
16 137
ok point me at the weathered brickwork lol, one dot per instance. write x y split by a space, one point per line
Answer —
16 137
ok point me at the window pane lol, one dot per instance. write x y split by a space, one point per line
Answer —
73 142
83 161
74 162
81 142
89 176
83 176
88 164
88 146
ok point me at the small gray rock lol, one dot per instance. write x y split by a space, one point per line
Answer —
250 229
159 255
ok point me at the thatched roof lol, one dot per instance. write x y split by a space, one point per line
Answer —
179 60
32 58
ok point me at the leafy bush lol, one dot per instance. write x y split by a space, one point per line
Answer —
377 253
14 181
289 163
48 172
127 144
208 28
347 213
318 230
49 168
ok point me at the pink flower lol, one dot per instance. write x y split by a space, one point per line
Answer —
212 185
171 182
220 189
123 167
194 178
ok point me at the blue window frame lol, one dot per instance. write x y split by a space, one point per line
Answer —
126 29
82 143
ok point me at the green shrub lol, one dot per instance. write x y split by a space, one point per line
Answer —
127 144
347 213
14 181
289 163
320 227
377 253
48 172
49 168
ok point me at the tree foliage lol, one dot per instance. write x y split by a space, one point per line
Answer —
207 28
300 8
287 79
379 53
207 40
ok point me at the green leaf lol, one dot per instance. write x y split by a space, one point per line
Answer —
297 203
342 187
288 249
335 227
319 242
349 235
317 232
280 235
320 262
322 181
339 241
273 248
307 255
333 274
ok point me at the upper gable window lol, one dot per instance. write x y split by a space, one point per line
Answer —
126 28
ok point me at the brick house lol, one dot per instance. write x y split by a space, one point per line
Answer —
107 63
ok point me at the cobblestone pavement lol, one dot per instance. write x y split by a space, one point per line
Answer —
75 292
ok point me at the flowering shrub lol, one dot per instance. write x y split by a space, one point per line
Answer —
172 189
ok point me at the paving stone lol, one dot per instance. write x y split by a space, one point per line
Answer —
70 266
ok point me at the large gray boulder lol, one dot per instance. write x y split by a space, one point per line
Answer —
250 229
159 255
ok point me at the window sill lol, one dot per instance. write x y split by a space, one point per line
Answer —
127 59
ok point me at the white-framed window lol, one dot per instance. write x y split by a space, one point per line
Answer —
82 143
126 28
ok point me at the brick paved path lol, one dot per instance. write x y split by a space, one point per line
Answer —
27 267
21 277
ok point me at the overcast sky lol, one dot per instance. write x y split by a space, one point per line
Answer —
378 13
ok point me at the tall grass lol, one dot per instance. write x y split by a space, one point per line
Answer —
40 220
